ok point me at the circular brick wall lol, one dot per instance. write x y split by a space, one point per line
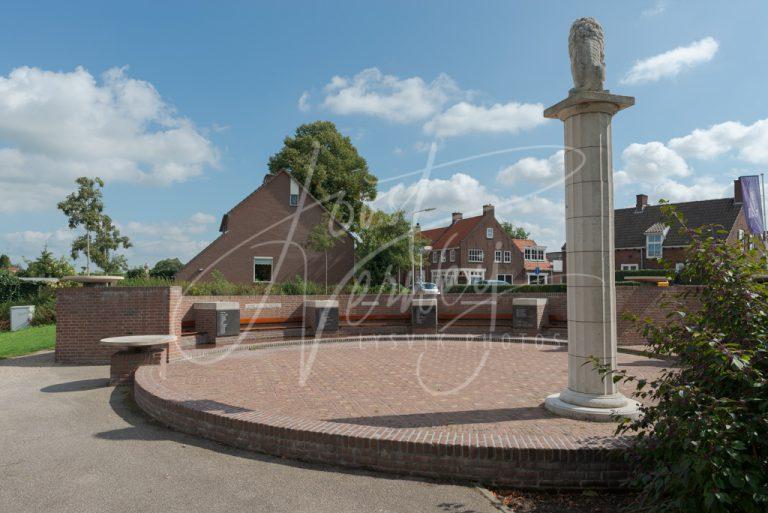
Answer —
450 409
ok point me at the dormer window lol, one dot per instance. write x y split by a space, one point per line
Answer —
489 233
534 254
294 196
654 240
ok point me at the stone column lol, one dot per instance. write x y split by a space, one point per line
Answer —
590 255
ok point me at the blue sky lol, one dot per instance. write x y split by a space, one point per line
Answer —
178 105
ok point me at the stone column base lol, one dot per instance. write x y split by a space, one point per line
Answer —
595 408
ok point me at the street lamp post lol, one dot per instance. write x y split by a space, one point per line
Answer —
413 244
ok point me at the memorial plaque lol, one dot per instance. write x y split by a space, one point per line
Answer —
227 323
524 316
424 314
322 316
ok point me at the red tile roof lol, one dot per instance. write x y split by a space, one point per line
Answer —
450 236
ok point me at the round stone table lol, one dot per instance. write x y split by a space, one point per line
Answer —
133 352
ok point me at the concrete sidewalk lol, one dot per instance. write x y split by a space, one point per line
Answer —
69 443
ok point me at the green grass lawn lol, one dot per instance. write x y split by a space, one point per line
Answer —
30 340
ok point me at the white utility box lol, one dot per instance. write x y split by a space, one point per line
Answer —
21 316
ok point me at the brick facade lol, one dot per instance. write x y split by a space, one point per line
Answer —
264 225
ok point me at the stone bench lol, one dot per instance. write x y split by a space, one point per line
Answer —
135 351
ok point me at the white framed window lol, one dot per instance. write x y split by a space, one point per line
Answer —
442 256
507 257
489 233
534 254
497 256
475 255
453 255
679 266
629 267
434 257
262 269
293 200
741 234
505 277
653 243
537 279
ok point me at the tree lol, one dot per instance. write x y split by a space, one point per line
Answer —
387 245
101 238
5 261
166 268
702 441
322 240
340 175
46 266
516 232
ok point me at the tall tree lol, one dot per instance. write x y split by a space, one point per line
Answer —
85 208
387 245
340 175
5 261
166 268
46 266
516 232
322 240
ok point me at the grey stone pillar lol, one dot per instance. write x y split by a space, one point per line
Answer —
322 316
590 250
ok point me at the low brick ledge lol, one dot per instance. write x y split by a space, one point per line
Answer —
504 460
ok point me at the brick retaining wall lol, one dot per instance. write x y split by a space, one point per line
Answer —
88 314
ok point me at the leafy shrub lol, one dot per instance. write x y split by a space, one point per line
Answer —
500 289
702 441
13 289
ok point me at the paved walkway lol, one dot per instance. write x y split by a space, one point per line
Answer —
71 444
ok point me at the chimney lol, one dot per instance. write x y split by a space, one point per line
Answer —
642 202
456 217
738 195
488 210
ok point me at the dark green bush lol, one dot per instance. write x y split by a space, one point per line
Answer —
623 275
499 289
702 441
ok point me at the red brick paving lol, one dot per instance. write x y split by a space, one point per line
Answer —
476 402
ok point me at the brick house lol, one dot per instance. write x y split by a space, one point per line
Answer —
642 238
477 248
264 239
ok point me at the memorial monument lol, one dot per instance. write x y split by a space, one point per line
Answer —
587 114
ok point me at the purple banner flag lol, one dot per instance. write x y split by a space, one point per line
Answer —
753 203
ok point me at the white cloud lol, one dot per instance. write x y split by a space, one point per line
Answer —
304 102
652 161
56 126
464 118
466 194
702 188
373 93
658 7
671 63
534 169
750 142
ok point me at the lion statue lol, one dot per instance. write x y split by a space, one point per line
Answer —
586 46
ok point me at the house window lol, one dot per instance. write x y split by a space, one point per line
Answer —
497 256
434 257
653 245
741 234
505 277
537 279
453 255
442 256
534 254
262 269
629 267
294 197
507 257
476 255
489 233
